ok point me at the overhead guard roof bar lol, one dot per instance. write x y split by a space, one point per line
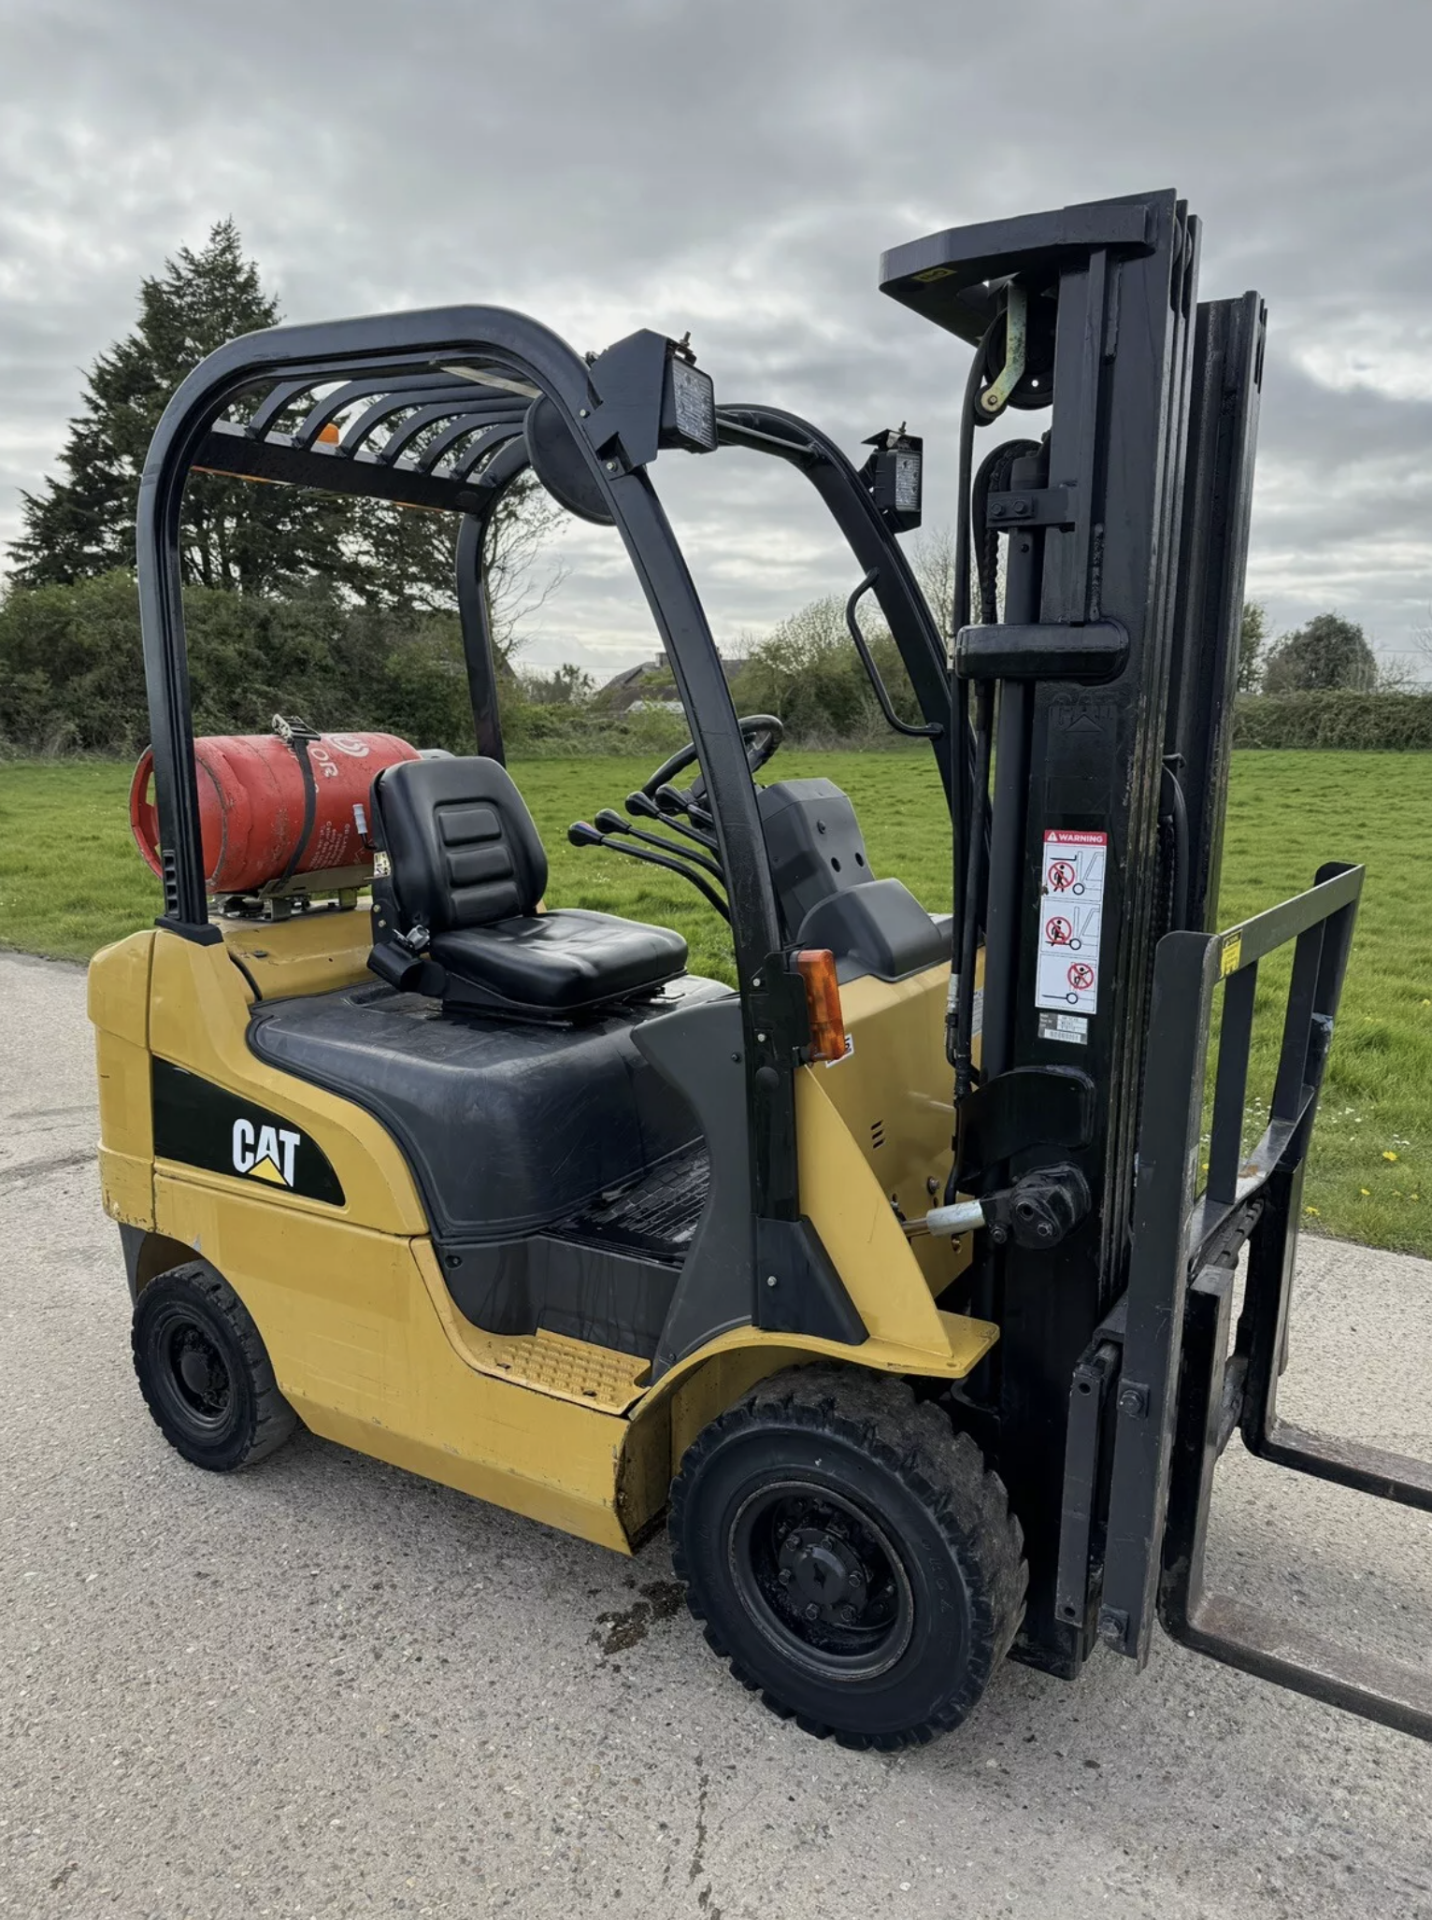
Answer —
403 482
493 419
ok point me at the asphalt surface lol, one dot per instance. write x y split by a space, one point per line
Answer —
323 1688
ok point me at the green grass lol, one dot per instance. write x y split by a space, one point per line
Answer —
70 881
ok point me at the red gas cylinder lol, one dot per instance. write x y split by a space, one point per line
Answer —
252 798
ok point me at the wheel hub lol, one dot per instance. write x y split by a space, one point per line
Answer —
823 1574
200 1373
820 1578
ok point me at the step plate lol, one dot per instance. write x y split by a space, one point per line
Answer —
566 1369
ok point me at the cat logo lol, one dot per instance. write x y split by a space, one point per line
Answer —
200 1125
264 1152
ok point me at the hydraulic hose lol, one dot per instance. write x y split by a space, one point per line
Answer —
961 744
974 893
971 786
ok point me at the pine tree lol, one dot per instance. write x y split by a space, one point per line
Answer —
233 535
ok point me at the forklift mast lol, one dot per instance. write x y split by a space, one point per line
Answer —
1091 715
1104 673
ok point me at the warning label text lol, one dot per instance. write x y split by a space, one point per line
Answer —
1071 912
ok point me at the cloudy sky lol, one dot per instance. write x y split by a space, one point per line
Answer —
736 167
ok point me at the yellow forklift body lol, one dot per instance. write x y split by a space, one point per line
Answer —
574 1135
365 1339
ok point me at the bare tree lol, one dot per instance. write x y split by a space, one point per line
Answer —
1422 647
933 560
516 592
1397 674
1252 640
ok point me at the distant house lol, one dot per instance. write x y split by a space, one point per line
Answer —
650 686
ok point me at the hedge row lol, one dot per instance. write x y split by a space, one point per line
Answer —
72 680
72 675
1392 722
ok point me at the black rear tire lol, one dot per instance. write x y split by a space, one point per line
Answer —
850 1555
205 1373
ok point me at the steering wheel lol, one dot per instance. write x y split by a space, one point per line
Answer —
762 734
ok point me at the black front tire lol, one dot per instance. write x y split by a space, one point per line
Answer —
205 1373
850 1555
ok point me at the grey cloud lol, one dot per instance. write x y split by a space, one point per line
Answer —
738 169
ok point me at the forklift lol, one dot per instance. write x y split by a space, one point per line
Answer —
886 1277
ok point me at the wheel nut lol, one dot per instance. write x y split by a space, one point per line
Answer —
785 1576
847 1614
812 1611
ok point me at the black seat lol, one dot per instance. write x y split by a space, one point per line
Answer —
467 866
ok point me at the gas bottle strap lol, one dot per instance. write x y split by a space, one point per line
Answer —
298 735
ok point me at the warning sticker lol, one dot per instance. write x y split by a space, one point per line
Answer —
1071 910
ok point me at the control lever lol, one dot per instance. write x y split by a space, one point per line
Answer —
673 800
610 821
581 833
643 807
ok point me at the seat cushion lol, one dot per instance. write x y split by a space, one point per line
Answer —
562 961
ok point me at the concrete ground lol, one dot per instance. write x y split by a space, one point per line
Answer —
326 1689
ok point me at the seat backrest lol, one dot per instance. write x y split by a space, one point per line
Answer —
461 844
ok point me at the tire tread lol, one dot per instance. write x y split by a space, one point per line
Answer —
274 1419
941 1466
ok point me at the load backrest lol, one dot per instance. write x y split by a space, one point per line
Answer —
463 848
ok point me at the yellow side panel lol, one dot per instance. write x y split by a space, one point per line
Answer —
348 1319
125 1118
118 993
127 1188
118 988
893 1091
851 1211
312 952
198 1019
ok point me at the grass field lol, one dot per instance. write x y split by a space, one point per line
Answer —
70 881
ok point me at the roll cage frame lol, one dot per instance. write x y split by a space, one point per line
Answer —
469 373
